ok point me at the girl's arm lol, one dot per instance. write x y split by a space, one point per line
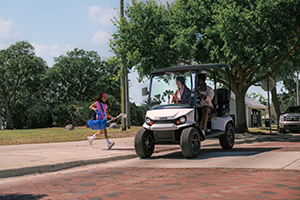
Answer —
93 106
110 116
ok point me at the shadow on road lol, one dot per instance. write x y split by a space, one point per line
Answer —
22 196
216 152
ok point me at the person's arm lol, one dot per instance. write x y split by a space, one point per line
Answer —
202 96
93 106
210 95
174 99
108 115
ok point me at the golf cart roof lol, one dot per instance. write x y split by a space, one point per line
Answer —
189 67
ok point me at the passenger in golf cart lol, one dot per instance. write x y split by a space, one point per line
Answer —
204 100
183 92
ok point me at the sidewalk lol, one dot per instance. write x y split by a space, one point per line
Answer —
18 160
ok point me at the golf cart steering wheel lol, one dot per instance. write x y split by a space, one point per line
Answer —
186 100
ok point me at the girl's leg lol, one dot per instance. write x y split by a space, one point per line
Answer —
91 139
98 133
109 144
105 136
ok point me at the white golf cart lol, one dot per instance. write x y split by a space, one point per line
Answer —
179 123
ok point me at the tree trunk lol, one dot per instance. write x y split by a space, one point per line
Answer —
8 124
241 125
276 104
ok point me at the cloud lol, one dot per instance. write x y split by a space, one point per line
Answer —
104 16
100 37
5 29
42 49
47 52
2 46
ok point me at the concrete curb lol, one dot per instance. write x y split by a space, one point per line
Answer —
59 166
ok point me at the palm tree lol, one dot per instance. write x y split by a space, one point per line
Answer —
168 94
157 96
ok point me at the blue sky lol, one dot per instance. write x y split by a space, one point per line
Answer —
55 27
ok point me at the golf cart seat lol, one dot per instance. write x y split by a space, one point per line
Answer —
213 112
223 99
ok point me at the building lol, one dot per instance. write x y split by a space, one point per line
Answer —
253 111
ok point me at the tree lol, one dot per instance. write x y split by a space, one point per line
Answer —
143 41
137 114
168 94
286 74
80 76
22 75
258 97
254 37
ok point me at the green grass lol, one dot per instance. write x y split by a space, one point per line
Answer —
263 129
48 135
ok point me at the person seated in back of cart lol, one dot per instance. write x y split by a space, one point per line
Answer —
205 105
183 92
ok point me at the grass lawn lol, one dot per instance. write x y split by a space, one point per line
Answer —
264 130
48 135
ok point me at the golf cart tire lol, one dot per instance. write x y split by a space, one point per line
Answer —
190 142
144 143
227 139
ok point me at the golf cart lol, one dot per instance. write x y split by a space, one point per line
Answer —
179 123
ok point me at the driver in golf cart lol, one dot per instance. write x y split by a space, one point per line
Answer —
183 92
204 103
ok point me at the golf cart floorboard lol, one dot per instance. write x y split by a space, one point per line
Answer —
213 133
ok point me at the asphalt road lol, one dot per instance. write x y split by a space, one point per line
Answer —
266 155
267 170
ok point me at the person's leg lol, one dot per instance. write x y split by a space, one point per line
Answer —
199 114
91 139
205 112
109 144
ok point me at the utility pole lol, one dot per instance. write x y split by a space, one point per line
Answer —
270 119
124 87
297 89
123 80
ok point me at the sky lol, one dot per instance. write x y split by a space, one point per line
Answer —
57 26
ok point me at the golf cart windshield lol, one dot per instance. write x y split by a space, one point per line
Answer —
165 92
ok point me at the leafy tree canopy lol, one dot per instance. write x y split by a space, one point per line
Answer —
21 75
80 76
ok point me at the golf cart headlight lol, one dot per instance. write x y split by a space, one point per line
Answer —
180 120
149 121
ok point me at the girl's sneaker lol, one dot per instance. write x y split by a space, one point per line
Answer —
90 140
110 145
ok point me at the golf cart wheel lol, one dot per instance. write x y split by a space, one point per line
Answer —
227 140
190 142
144 143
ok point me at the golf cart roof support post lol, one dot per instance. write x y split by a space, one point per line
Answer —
215 79
150 89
